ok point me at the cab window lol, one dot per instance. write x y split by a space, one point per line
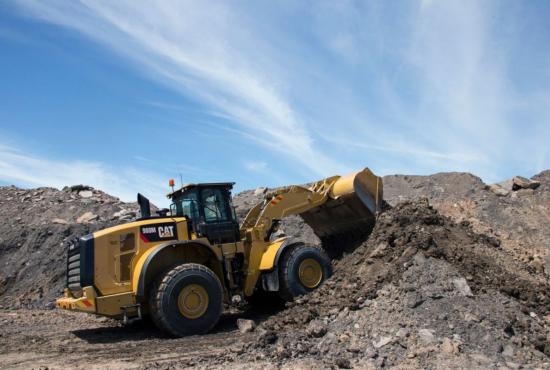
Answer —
186 205
213 202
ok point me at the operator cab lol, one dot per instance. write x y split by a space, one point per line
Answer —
209 209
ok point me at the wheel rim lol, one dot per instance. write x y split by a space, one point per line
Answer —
310 273
193 301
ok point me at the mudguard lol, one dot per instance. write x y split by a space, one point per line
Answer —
139 281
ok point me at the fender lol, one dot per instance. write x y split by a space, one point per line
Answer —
139 281
270 263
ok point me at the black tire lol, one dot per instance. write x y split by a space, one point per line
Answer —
166 290
290 285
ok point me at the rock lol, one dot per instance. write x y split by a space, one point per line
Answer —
499 190
462 287
516 183
523 183
260 191
382 342
87 217
402 333
59 221
316 329
85 193
449 346
379 251
426 335
123 214
245 326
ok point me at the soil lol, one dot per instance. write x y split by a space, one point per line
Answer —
453 275
422 292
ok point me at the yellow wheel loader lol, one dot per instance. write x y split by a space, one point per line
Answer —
181 265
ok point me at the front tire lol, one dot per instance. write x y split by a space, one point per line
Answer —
187 300
302 270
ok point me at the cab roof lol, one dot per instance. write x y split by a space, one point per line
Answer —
224 185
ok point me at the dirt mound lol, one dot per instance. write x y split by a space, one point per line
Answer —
35 226
421 290
425 290
517 216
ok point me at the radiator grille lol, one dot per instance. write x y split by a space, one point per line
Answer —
73 267
80 264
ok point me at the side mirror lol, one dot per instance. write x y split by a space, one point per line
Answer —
144 206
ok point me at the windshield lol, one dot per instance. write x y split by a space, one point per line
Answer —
186 205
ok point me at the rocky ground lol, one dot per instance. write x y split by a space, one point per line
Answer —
455 275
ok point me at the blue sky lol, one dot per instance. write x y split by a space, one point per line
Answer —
124 96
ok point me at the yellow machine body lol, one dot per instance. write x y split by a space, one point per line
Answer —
110 271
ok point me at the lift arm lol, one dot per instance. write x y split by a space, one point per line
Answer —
330 206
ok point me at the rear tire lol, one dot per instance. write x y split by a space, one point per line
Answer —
302 270
186 300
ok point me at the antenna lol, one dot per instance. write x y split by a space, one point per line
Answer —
181 180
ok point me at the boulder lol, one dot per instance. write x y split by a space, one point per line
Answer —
517 183
246 326
524 183
85 193
499 190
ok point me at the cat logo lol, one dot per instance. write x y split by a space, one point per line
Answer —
166 231
158 232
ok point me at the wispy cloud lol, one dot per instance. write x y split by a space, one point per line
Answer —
20 167
331 86
198 51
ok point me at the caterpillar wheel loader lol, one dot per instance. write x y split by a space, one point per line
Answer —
180 265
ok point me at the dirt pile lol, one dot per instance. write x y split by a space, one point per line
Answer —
518 216
35 225
422 290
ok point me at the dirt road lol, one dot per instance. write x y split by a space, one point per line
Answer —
57 339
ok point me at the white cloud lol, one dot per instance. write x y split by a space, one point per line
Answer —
428 85
198 50
24 169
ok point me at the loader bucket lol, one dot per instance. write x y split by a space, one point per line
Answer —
351 208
